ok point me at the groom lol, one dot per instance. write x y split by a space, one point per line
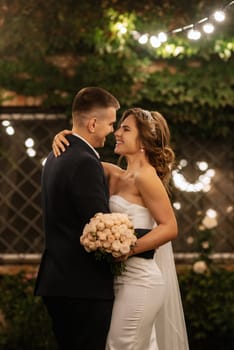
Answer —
76 289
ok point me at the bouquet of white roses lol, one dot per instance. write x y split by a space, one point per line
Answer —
109 235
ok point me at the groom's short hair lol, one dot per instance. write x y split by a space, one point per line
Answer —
90 98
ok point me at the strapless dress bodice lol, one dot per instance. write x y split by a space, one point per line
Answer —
139 215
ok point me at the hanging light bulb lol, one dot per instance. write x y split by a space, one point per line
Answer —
29 142
219 16
202 166
194 34
162 37
5 123
143 39
10 130
31 152
208 28
154 41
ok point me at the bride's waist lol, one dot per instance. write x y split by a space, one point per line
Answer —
149 254
140 272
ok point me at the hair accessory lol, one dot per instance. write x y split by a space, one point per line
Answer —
150 119
148 115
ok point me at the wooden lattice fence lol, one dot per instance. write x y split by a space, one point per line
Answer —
20 171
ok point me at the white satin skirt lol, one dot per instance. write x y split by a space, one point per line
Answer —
139 295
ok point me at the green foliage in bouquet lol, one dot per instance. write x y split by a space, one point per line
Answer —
116 267
24 323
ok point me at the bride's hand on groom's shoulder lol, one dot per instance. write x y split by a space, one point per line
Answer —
60 141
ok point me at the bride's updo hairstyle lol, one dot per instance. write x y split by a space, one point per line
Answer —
155 137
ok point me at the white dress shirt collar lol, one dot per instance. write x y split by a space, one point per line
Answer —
80 137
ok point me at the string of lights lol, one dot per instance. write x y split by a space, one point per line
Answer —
194 30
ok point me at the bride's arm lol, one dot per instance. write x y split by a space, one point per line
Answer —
157 201
60 141
58 146
110 169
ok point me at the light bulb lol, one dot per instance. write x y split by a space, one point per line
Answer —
10 130
143 39
154 41
219 16
194 34
162 37
29 142
208 28
31 152
5 123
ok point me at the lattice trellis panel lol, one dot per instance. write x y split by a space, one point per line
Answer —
20 201
219 157
20 174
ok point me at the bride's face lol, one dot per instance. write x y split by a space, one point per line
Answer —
127 137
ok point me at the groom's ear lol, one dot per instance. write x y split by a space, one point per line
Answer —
92 124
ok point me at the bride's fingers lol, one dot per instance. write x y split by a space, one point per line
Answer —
57 146
62 134
56 150
59 141
60 138
121 258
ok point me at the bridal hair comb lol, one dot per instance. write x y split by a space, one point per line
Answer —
148 115
150 119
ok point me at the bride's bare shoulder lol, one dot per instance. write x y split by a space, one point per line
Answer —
146 174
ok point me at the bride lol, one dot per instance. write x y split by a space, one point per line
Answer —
147 312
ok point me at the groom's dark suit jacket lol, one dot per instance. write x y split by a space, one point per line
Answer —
73 190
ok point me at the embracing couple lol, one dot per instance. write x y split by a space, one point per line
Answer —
90 309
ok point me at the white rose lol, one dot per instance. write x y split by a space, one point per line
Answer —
106 244
122 229
91 246
110 238
98 244
109 223
115 229
124 249
107 231
101 235
116 254
133 239
205 245
209 223
85 241
91 227
199 266
190 240
116 245
100 225
91 236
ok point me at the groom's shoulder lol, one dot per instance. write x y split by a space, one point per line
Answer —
79 152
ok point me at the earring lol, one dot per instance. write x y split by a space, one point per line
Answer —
142 149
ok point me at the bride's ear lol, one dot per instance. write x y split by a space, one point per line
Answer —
92 125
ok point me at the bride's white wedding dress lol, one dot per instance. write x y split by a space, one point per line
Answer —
147 312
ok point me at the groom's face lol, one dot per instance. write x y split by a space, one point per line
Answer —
106 117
